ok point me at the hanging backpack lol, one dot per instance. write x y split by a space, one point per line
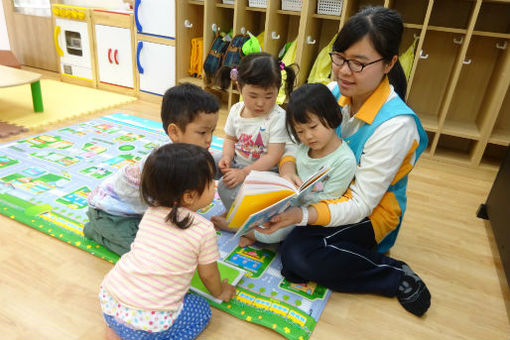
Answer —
234 51
214 58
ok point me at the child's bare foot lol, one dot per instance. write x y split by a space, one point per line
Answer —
246 241
220 223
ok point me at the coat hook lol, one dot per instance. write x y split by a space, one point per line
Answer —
467 62
423 56
458 41
309 40
243 30
416 36
215 28
187 24
501 46
275 36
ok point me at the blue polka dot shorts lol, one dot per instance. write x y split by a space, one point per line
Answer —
192 320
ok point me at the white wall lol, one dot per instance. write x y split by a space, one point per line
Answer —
4 38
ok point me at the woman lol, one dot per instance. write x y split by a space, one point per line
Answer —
340 243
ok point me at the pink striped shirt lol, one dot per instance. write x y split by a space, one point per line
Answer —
156 273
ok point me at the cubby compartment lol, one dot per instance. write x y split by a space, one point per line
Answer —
465 115
191 27
501 132
282 28
494 17
413 11
252 19
455 148
432 75
493 155
448 14
318 35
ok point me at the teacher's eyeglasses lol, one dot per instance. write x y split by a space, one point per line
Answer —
354 65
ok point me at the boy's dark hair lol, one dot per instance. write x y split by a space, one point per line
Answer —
310 99
384 27
182 103
172 170
259 69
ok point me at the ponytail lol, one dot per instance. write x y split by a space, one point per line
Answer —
398 79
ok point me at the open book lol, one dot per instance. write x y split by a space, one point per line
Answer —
227 271
265 194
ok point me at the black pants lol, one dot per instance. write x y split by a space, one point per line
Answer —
343 259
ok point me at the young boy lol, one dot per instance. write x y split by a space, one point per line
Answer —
189 115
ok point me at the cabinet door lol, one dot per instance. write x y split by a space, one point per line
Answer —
156 17
156 67
114 56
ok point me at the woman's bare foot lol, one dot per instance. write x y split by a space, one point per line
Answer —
220 223
246 240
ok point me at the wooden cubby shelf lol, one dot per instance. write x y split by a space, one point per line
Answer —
460 76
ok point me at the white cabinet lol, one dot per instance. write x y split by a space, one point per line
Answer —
114 55
155 17
156 66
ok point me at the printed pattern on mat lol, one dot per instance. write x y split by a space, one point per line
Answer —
45 180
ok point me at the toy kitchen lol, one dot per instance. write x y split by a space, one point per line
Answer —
72 35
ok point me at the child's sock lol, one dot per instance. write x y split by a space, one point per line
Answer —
412 293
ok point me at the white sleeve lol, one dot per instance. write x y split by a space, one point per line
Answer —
382 157
230 124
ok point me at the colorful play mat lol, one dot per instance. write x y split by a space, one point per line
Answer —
45 180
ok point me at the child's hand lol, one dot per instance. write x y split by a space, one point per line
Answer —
224 164
294 179
227 291
234 177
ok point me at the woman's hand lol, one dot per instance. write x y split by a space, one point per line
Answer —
287 218
233 177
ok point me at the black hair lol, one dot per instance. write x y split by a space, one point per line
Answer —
184 102
313 98
384 28
259 69
172 170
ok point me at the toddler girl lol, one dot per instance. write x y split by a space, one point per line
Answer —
312 118
255 128
145 295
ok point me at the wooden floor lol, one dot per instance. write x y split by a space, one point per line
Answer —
49 288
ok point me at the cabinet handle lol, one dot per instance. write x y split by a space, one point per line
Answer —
137 22
138 50
187 24
115 54
423 56
502 46
309 40
275 36
467 61
110 55
56 33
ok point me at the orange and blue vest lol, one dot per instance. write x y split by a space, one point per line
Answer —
387 216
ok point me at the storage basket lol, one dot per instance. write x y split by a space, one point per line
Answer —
228 2
330 7
292 5
257 3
